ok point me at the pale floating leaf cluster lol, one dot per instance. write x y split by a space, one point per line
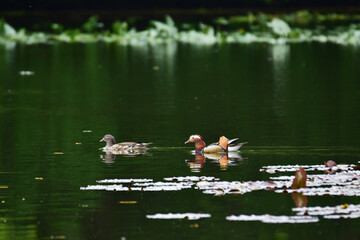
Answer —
187 216
340 180
220 188
170 184
130 180
208 185
146 187
266 218
337 180
191 178
263 28
345 181
336 212
293 168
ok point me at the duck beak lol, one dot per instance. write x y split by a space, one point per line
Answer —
102 140
188 141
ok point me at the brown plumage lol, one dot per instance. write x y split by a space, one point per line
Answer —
112 146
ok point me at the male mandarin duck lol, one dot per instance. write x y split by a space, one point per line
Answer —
224 144
124 146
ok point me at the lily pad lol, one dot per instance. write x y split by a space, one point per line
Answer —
187 216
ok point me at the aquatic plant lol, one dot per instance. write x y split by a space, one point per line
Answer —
279 27
6 31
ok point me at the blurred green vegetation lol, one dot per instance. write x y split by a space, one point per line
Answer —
301 26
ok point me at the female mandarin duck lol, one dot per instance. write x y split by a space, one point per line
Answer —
124 146
224 145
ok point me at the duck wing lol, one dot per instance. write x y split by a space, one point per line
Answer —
232 147
235 147
231 141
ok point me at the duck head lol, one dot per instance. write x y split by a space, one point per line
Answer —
109 139
223 142
199 142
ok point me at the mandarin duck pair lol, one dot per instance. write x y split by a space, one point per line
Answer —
222 151
223 146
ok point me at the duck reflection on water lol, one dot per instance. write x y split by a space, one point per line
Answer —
197 164
110 156
223 159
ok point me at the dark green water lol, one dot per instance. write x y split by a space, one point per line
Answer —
294 104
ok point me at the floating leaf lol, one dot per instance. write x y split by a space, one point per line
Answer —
129 180
332 212
188 216
273 219
307 168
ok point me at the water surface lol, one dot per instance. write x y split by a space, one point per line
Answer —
294 104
